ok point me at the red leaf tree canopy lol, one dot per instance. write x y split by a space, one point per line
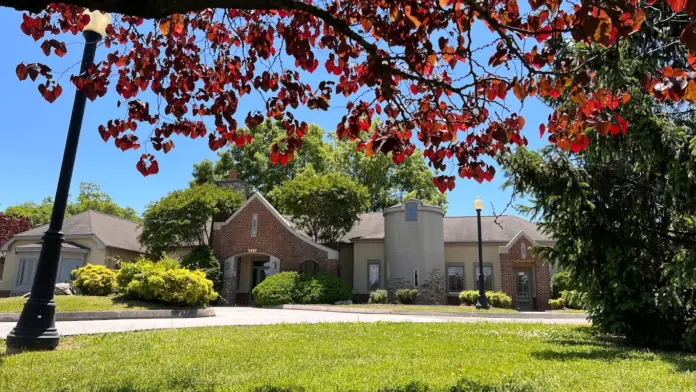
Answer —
412 64
9 226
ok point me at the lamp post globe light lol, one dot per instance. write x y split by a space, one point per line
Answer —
36 327
482 302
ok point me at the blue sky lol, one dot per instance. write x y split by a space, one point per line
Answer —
32 137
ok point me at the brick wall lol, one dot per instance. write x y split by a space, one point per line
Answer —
541 273
272 238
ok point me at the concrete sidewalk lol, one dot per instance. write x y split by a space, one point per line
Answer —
256 316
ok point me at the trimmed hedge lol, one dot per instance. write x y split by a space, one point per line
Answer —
557 304
407 296
165 282
94 279
496 299
378 297
301 288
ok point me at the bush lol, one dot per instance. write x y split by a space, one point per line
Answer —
496 299
562 281
94 279
468 297
557 304
301 288
202 258
573 299
407 296
164 281
378 297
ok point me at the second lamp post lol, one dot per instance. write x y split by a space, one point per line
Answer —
482 302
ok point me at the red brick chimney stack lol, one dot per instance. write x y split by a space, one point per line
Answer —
232 175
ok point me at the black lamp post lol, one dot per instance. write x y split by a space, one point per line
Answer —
482 302
36 328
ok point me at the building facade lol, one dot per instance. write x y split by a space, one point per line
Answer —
407 243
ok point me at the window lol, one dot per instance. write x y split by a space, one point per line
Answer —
411 212
67 266
254 224
455 279
25 272
523 251
487 276
309 266
415 278
373 272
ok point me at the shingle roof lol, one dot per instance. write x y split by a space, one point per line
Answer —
113 231
456 229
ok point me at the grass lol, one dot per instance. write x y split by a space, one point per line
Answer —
348 357
429 308
568 311
84 303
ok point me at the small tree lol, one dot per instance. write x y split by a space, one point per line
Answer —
10 226
182 218
433 290
202 258
325 206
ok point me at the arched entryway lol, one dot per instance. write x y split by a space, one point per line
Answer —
243 272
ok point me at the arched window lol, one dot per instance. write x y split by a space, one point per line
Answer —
308 266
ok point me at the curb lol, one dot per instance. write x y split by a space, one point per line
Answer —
520 315
124 314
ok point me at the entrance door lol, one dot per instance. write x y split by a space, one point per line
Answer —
523 289
258 274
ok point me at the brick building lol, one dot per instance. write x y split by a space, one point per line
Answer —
406 242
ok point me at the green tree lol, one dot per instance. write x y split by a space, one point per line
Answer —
387 183
623 213
183 217
325 206
90 197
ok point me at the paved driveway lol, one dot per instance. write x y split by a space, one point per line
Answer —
256 316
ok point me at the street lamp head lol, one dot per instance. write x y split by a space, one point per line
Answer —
478 204
98 22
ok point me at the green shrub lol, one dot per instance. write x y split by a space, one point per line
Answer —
562 281
378 297
557 304
202 258
94 279
407 296
498 299
573 299
468 297
301 288
164 281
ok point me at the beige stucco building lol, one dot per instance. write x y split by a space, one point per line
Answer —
90 237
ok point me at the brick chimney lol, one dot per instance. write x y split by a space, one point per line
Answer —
232 175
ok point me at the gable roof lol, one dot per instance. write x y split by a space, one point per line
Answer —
109 230
332 254
457 229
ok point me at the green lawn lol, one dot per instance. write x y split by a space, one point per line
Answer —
83 303
429 308
348 357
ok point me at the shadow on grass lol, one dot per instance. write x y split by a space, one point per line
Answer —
150 305
592 346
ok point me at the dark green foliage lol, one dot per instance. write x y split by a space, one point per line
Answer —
573 299
407 296
378 297
94 279
301 288
623 213
562 281
202 258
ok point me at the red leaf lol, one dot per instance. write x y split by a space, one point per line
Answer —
677 5
21 71
542 129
